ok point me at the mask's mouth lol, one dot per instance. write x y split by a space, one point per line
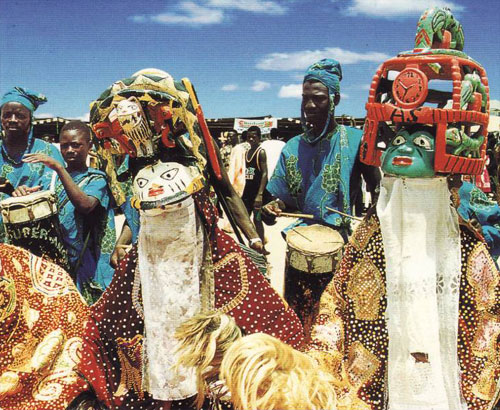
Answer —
156 191
402 161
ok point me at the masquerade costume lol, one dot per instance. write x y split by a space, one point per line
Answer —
411 317
94 269
182 263
42 320
13 169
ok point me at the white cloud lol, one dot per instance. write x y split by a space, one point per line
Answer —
290 91
229 87
189 13
258 86
302 59
207 12
254 6
391 8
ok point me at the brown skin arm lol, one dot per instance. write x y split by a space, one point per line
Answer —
372 177
236 206
122 245
370 174
82 202
262 160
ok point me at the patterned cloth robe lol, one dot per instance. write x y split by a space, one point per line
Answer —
42 322
354 345
99 224
310 177
230 283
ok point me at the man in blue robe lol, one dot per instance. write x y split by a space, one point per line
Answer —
317 170
16 110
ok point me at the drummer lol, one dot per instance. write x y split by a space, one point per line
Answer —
317 170
85 210
16 111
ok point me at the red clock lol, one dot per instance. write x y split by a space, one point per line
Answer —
410 88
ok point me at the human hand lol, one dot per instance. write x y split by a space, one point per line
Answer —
24 190
274 208
43 158
258 246
118 254
257 204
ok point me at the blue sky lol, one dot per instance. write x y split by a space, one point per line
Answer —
245 57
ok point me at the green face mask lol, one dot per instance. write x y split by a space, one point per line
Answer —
410 155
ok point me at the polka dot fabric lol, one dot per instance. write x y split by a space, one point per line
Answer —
113 353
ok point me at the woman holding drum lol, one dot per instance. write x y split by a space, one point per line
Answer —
317 170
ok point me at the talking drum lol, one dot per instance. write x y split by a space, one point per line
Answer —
31 222
313 253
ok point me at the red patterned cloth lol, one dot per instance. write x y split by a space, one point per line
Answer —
350 335
113 359
42 320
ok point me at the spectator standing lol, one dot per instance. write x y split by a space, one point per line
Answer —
85 210
255 178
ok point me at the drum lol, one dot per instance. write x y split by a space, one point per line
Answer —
314 248
31 222
313 253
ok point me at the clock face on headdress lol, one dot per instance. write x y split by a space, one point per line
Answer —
410 88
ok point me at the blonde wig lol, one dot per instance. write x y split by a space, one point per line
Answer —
203 340
261 372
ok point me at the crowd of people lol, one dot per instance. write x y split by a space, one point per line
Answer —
398 311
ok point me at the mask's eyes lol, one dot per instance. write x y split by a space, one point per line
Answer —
399 140
423 142
142 182
170 174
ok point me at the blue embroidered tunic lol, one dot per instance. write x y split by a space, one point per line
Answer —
94 265
311 177
20 173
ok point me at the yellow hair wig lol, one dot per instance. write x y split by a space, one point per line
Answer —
203 340
261 372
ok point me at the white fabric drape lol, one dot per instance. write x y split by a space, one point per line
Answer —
170 252
422 251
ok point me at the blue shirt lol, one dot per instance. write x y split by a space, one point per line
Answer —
474 203
20 173
311 177
94 265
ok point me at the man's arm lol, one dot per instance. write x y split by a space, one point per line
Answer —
262 163
237 208
122 245
82 202
372 177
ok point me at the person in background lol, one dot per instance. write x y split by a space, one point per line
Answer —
255 178
230 140
16 110
85 210
273 149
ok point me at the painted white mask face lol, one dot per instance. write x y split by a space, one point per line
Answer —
164 183
129 114
135 126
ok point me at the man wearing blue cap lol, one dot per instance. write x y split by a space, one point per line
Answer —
317 170
16 111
